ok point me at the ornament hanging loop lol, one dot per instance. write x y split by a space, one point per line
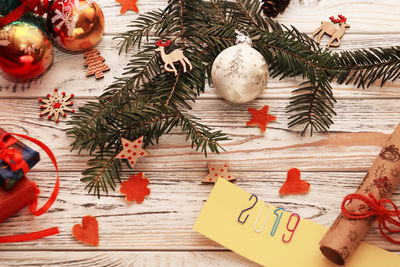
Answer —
243 37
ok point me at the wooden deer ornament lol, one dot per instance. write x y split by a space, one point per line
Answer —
329 28
175 56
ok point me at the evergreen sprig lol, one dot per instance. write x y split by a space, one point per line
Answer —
147 101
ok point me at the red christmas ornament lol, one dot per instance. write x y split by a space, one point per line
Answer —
260 117
76 24
25 50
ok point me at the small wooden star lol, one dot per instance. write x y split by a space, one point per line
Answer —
132 150
260 117
217 171
128 4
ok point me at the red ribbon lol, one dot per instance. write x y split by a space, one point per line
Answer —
13 157
27 6
33 207
377 208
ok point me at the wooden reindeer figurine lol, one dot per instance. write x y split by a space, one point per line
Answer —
330 29
174 56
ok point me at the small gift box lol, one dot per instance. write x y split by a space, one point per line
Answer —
11 201
16 159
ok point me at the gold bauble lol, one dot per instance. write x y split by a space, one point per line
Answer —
25 50
76 25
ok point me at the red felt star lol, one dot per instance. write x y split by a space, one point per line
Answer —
294 185
260 117
132 150
135 188
128 4
217 171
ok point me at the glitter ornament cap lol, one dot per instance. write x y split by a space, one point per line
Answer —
243 37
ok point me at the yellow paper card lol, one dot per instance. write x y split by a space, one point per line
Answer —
219 221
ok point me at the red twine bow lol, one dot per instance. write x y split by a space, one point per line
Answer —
33 208
376 208
12 156
39 6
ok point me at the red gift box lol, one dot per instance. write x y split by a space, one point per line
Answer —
22 194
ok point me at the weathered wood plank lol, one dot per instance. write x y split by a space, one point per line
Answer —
124 258
361 128
68 73
306 15
165 219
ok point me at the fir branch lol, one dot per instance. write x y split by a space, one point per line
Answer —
143 26
366 66
147 101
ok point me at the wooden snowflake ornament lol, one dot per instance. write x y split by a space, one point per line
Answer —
56 105
218 171
128 4
95 63
132 151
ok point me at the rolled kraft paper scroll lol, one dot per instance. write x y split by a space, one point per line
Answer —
344 236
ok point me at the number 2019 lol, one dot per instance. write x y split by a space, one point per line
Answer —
278 213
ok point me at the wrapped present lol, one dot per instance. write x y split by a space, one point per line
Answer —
16 159
21 195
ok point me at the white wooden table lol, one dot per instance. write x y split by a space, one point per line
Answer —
159 232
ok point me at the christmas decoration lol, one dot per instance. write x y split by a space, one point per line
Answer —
240 72
329 28
359 210
56 105
88 232
128 4
16 199
135 188
218 171
146 101
132 151
272 8
25 50
22 194
95 63
294 185
76 25
175 56
16 159
260 117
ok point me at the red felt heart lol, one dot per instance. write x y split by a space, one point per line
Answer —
293 184
89 231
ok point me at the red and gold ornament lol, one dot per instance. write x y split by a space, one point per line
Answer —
76 25
25 50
